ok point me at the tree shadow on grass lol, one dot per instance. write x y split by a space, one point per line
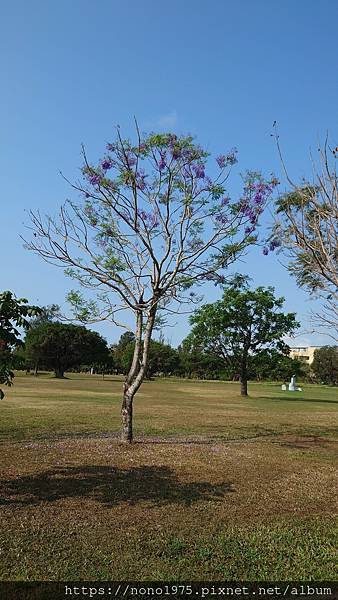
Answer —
109 486
296 399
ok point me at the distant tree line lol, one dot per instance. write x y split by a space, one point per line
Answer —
243 330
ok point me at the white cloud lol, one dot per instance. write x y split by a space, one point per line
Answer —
166 121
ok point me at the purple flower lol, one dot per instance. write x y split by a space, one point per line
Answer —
149 219
153 220
221 161
221 218
140 180
274 244
143 215
258 199
95 179
199 170
107 164
225 201
265 251
231 157
248 230
162 163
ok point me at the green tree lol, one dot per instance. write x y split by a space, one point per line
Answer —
150 226
241 324
196 363
162 357
13 316
270 364
325 364
123 352
47 315
60 346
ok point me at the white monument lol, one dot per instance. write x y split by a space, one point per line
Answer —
292 384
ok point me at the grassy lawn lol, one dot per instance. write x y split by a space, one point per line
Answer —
215 487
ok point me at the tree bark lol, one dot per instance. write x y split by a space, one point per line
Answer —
127 419
244 387
59 373
244 375
36 368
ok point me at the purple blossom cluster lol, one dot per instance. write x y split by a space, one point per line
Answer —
221 218
150 219
111 147
221 161
130 159
199 170
140 178
107 164
230 158
95 179
195 244
254 199
162 162
275 243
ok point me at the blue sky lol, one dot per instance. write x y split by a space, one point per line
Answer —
221 70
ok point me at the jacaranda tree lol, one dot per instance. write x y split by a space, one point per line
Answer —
307 230
151 225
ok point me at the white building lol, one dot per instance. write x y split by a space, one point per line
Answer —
305 353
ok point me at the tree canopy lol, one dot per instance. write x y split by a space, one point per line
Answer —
244 322
307 229
60 346
325 364
14 314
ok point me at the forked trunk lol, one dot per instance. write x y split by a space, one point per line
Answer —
136 373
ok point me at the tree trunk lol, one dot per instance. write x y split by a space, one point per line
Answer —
59 373
244 387
36 368
244 375
127 419
136 373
